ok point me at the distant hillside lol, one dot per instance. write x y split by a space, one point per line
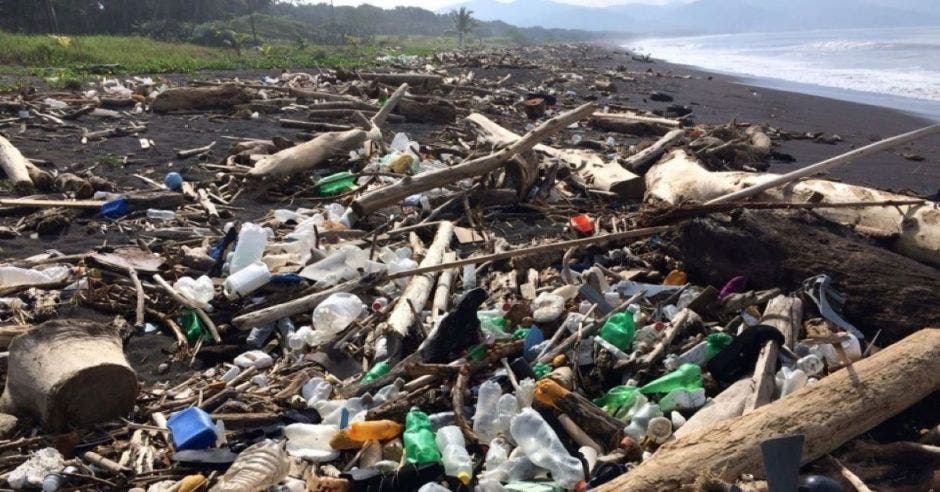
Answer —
715 16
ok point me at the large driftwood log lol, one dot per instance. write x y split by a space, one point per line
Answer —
914 230
388 195
632 124
416 293
69 373
413 79
829 413
605 175
884 291
15 166
642 160
325 146
197 98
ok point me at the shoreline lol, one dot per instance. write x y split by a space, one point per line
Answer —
718 98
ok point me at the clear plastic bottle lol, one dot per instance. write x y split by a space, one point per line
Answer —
252 240
485 419
643 412
258 467
789 380
333 315
506 408
542 446
526 393
157 214
496 455
454 454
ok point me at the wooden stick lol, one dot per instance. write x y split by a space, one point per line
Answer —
848 475
183 154
545 248
686 212
678 324
388 195
829 413
786 315
306 303
444 285
827 164
34 202
139 308
642 160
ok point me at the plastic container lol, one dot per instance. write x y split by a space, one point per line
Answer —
687 376
157 214
55 481
246 281
254 358
485 419
252 239
334 314
374 430
259 335
789 380
852 348
583 224
420 444
812 365
469 277
618 400
683 399
311 441
336 183
619 330
658 429
13 276
378 370
192 428
457 462
542 446
639 421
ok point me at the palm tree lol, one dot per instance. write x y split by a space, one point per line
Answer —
463 23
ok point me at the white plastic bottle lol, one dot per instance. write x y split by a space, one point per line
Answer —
157 214
252 240
542 446
246 280
454 454
789 380
485 419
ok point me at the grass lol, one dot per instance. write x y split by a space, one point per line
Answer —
67 60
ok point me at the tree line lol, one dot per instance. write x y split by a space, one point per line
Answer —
201 20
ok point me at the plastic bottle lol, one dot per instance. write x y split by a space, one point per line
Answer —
55 481
683 399
246 281
658 429
485 419
542 446
14 276
311 441
258 467
336 183
157 214
618 400
454 454
526 393
852 348
506 408
469 277
374 430
378 370
420 444
259 335
812 365
705 350
619 330
639 421
252 240
496 455
687 376
789 380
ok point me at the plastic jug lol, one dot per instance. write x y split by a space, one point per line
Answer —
311 441
333 315
192 428
252 240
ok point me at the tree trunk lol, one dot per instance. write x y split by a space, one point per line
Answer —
829 413
15 166
69 373
884 291
254 33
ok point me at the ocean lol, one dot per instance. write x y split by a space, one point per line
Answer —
897 68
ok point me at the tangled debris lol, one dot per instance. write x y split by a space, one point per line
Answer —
542 290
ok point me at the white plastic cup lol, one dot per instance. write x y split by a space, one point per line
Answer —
246 280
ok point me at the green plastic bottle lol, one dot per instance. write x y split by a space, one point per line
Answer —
493 322
193 326
687 376
336 183
420 446
619 330
377 371
618 400
716 342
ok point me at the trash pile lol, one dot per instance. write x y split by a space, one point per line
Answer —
448 307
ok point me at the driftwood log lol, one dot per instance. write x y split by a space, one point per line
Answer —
603 175
325 146
15 166
198 98
427 110
781 249
69 373
632 124
381 197
829 413
912 230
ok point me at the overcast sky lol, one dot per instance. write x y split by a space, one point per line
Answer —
437 4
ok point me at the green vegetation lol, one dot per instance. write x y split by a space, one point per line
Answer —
69 57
